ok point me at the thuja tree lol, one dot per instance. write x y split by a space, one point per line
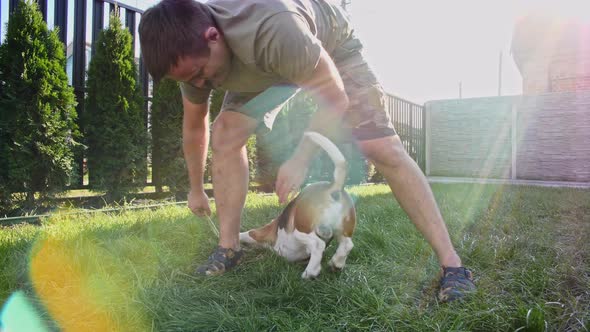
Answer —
37 109
113 119
168 166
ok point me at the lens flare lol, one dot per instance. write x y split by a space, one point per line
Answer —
83 287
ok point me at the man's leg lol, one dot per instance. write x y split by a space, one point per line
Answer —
242 114
368 118
411 189
230 133
230 186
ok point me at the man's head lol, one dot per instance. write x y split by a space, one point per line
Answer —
179 39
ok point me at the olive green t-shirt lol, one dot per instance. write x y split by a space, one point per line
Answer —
273 41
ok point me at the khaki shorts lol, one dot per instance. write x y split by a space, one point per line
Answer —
366 118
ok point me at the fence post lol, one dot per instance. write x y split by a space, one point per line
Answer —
61 20
412 140
43 8
79 69
130 23
427 134
12 4
97 22
423 138
143 79
514 138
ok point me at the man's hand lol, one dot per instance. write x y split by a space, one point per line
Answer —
289 179
198 203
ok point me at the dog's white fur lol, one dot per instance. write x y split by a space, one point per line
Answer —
322 211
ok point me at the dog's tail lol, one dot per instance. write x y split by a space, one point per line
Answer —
334 154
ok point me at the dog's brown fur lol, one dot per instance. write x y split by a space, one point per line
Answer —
322 211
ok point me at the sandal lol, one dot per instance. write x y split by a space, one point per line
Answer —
455 283
221 260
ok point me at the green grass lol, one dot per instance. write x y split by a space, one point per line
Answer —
90 193
132 271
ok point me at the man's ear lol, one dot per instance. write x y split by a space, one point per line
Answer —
212 34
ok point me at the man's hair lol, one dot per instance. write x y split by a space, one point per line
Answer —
170 30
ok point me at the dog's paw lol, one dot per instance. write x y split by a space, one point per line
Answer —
335 267
308 274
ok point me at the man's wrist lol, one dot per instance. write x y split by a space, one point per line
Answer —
197 188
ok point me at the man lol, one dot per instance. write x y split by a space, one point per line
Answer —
260 52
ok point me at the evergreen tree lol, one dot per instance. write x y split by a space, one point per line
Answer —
37 109
168 165
113 118
215 104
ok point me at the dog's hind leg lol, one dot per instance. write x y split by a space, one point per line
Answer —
344 247
315 246
263 236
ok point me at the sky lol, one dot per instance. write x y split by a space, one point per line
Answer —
424 50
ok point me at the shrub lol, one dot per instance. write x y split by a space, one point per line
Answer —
168 164
113 118
37 110
216 102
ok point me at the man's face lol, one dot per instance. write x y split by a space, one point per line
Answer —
205 71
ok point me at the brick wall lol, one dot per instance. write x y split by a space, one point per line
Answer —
541 137
563 74
552 54
569 73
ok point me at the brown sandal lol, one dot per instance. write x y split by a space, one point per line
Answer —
455 283
221 260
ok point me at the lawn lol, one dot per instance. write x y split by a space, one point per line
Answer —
132 271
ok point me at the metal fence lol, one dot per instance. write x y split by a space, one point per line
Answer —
409 122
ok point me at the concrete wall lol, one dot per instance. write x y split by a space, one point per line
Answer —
469 137
543 137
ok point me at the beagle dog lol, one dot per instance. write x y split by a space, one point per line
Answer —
321 212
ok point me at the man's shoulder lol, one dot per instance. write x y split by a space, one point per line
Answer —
241 21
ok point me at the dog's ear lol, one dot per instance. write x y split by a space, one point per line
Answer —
266 233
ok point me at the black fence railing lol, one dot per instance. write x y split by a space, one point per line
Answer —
408 120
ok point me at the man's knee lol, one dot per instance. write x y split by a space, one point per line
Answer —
230 133
388 151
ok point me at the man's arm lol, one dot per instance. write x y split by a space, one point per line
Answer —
326 88
195 143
